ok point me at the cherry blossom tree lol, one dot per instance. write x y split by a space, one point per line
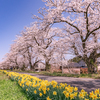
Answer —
81 21
12 57
26 52
44 42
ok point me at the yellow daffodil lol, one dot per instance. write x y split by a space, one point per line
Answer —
35 92
48 98
26 89
40 94
54 93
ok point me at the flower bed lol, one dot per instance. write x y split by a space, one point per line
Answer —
38 89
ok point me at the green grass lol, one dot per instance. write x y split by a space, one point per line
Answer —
9 90
94 76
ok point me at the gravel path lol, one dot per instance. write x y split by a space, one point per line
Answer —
87 84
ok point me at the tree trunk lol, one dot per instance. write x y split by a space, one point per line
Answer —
92 66
23 67
47 66
34 65
31 66
91 63
17 67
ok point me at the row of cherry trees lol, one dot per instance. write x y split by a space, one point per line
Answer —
36 45
78 34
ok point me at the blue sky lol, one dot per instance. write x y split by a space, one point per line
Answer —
14 16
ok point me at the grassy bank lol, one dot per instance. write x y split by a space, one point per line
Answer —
38 89
94 76
9 90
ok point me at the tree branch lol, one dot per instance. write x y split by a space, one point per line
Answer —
87 20
90 33
36 41
71 25
98 55
94 30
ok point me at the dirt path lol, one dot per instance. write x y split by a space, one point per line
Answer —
87 84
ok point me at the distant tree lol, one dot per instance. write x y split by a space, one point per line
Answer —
75 59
